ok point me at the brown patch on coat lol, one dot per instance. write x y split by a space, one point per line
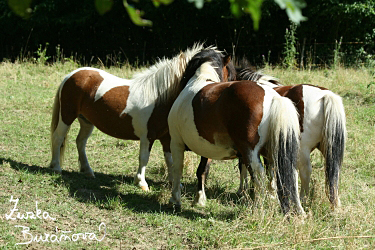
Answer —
229 113
78 98
157 125
295 94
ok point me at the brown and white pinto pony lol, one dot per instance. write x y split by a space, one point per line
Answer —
322 125
222 120
134 109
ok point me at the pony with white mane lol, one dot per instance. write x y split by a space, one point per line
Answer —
129 109
322 124
222 120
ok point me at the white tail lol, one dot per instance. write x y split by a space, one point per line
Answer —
55 122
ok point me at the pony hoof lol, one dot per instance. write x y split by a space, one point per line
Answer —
198 203
56 170
200 199
240 192
176 208
89 174
174 205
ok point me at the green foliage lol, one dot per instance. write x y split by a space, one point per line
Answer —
290 51
90 32
252 7
21 7
103 6
42 55
293 9
198 3
337 54
136 15
157 3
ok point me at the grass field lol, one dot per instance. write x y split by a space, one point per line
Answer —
139 220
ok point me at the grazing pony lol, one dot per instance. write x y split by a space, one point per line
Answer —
134 109
322 125
224 120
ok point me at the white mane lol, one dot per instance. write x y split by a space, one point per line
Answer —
161 81
207 72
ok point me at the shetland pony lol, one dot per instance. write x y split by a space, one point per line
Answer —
224 120
322 125
134 109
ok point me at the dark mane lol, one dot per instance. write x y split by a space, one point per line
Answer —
207 55
232 72
245 71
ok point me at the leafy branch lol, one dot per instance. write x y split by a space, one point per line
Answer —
293 9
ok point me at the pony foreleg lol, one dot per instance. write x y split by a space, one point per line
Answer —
202 174
165 142
178 164
144 155
83 135
57 146
169 162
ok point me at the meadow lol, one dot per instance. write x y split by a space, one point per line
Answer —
122 216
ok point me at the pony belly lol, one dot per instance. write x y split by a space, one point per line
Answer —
204 148
112 124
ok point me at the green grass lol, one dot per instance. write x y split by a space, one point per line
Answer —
135 219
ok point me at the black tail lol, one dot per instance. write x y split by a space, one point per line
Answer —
333 144
285 177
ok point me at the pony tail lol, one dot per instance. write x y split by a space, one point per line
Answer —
333 143
55 122
284 132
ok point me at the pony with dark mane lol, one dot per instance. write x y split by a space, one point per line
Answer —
134 109
222 120
322 125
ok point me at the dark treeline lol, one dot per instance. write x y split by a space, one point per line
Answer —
80 31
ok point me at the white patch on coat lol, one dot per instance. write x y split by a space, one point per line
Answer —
109 82
181 118
313 120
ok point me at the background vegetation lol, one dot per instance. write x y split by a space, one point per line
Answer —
77 29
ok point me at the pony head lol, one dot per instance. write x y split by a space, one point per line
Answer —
210 64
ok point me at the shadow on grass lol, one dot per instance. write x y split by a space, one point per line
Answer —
104 189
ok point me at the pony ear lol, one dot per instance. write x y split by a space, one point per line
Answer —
227 60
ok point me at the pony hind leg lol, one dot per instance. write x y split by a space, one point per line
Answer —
85 131
256 170
202 174
272 187
305 169
246 181
58 145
